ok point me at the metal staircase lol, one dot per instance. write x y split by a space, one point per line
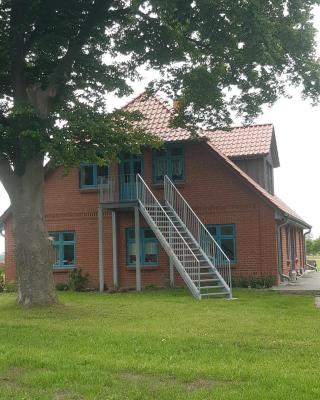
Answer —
200 261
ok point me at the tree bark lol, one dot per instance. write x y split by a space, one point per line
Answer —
33 250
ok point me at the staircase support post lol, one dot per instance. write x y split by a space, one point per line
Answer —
101 249
137 241
115 273
171 273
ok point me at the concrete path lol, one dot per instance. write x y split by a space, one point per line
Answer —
308 283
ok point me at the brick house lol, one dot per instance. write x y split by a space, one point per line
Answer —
198 211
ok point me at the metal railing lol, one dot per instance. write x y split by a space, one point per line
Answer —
174 243
214 254
117 188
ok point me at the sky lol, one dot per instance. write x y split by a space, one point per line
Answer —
297 128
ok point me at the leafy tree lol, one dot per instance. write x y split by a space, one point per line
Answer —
313 246
309 246
55 71
316 246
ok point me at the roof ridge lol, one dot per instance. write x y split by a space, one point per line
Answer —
163 102
237 127
133 99
156 97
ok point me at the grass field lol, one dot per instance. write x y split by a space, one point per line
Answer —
161 345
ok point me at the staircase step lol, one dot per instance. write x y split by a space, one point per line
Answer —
211 287
215 294
207 280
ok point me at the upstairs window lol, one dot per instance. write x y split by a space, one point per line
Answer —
64 249
225 236
90 174
169 161
149 247
269 183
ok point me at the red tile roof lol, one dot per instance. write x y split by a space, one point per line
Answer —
157 114
238 142
246 141
243 141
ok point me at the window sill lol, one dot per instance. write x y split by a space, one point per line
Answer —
144 267
177 184
88 190
63 269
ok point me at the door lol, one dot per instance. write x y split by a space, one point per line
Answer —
130 166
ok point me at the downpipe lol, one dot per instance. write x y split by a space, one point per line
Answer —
280 255
305 246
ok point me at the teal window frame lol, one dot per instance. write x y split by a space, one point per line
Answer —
60 243
219 237
130 240
164 154
95 175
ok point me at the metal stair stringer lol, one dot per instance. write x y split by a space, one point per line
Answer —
176 247
199 238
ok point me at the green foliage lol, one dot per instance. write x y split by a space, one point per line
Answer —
62 286
10 287
313 246
261 282
77 281
2 281
6 286
60 58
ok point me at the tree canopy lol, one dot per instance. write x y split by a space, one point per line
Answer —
60 58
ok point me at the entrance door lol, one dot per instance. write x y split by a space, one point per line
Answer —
130 166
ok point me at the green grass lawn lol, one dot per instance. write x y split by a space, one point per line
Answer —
161 345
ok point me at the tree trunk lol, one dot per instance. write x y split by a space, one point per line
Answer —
33 250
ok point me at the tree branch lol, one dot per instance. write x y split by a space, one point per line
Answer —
16 48
7 176
30 36
63 69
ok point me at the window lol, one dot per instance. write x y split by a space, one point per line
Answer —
149 247
64 249
90 174
168 161
225 236
269 183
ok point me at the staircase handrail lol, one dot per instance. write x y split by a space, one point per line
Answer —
194 214
168 184
139 177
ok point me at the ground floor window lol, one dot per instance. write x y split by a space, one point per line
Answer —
149 247
64 249
225 236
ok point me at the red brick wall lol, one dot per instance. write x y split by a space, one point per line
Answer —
216 194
